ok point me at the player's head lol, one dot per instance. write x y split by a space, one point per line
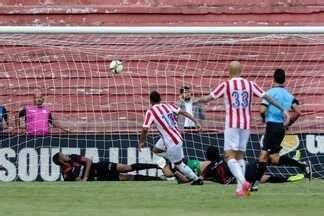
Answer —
59 158
38 98
155 97
279 76
212 153
185 93
235 68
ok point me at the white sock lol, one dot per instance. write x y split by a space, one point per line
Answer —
243 165
184 169
236 170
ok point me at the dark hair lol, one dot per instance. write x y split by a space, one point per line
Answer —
155 97
184 88
56 159
212 153
279 76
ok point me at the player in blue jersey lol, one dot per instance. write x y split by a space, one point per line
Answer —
275 128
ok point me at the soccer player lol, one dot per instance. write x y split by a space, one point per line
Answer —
78 168
185 103
170 144
37 117
216 170
275 128
237 93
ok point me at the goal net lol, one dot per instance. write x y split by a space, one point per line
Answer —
104 111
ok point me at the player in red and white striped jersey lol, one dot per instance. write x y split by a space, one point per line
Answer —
237 93
164 116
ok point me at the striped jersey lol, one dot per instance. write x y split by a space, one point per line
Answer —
237 93
165 118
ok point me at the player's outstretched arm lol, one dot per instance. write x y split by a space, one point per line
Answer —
56 124
142 138
204 99
189 116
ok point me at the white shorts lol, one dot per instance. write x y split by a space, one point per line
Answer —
236 139
174 152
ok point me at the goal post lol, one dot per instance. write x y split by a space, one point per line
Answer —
161 30
104 111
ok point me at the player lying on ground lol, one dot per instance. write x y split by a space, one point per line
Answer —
164 116
216 170
78 168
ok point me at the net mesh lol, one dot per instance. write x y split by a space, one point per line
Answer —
105 111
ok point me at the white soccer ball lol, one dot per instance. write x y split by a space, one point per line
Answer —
116 66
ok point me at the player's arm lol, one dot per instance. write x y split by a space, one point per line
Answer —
142 138
297 112
263 110
189 116
21 114
55 124
276 104
88 164
260 93
204 100
216 93
5 117
148 120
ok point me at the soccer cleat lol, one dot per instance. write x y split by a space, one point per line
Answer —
254 188
197 182
240 194
246 187
295 178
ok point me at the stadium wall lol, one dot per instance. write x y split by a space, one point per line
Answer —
165 12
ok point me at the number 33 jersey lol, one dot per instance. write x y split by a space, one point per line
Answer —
237 93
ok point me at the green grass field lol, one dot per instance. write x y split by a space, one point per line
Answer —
158 198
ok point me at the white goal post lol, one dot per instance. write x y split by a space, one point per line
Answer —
161 30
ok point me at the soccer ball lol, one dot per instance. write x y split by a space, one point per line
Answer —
116 66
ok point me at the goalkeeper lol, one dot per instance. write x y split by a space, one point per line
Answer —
216 170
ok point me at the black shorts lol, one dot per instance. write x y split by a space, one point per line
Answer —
105 171
251 172
275 133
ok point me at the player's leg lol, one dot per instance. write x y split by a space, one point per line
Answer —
124 168
273 137
160 148
250 173
244 138
169 171
123 177
287 161
231 152
175 155
261 166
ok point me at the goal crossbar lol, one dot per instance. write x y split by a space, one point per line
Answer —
161 30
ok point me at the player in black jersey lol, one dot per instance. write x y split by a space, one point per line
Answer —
79 168
216 170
